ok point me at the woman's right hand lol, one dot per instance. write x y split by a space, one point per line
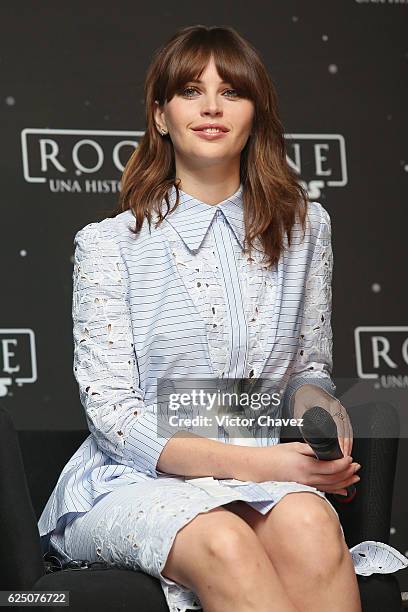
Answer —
297 462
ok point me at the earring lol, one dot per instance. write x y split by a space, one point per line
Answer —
163 132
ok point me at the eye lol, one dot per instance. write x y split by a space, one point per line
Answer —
185 91
234 90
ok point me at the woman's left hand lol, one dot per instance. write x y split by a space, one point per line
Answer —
308 396
311 395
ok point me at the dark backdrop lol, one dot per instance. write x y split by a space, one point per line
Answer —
72 111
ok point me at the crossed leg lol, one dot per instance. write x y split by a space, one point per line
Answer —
219 557
303 539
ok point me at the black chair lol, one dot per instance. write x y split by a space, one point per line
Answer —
31 462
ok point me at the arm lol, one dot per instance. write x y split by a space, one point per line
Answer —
310 380
105 367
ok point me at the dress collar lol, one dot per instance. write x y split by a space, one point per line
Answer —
192 217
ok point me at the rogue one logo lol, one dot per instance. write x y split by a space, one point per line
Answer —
92 160
382 354
76 160
18 361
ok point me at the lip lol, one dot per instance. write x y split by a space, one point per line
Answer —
219 126
208 136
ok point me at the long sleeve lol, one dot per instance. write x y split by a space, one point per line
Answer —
105 364
313 362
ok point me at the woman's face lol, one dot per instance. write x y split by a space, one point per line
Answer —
207 101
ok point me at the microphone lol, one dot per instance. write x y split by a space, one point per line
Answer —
319 430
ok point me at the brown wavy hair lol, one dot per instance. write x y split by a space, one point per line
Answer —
272 196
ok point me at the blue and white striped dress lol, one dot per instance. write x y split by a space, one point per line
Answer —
178 301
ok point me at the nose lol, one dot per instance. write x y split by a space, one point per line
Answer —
211 105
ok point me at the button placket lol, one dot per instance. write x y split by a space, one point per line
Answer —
234 303
251 274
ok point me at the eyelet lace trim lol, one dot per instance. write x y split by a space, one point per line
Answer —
259 290
104 358
316 337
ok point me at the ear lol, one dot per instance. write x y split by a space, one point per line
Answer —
158 115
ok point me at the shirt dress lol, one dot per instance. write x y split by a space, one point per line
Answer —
176 302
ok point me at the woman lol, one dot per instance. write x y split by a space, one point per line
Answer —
221 286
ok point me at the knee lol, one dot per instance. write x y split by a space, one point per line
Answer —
231 544
320 522
316 539
322 534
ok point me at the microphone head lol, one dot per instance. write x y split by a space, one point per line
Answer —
318 425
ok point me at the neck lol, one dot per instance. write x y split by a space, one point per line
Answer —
210 187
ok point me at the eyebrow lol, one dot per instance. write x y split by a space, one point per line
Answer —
198 81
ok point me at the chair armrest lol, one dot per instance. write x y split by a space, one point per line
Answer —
23 564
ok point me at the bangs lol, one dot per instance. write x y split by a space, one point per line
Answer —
234 64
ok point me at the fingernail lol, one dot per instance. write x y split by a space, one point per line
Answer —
358 466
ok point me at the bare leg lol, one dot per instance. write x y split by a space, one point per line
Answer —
303 539
219 557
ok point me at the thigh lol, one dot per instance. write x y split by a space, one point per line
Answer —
302 535
294 514
207 533
136 527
